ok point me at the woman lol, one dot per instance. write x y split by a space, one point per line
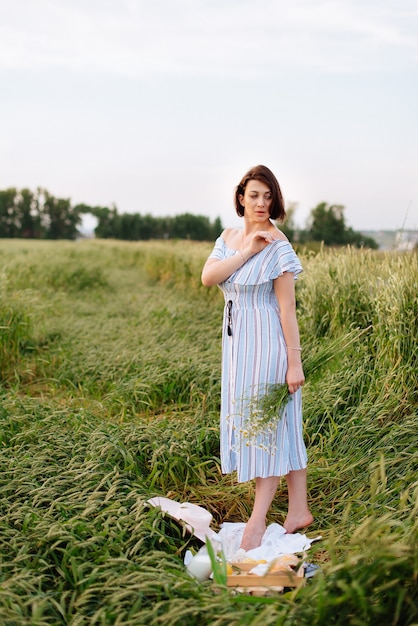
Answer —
256 267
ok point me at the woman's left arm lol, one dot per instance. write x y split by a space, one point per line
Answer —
284 287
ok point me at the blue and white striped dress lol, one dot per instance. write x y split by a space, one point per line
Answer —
254 356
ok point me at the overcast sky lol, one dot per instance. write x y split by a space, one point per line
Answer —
160 106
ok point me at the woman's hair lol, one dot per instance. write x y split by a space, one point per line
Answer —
263 174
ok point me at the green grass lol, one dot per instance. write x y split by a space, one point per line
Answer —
110 383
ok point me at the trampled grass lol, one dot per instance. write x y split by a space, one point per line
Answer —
109 373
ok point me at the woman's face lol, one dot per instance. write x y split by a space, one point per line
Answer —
257 201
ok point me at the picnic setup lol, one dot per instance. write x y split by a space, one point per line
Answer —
278 563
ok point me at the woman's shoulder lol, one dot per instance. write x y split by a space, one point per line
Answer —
231 237
280 236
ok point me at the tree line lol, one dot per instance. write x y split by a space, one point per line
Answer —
326 223
39 215
135 227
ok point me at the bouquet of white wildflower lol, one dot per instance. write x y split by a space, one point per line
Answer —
266 408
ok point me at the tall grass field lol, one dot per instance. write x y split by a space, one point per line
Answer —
110 391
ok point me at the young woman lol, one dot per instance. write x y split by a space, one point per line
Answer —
256 267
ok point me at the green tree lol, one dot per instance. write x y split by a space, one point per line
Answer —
28 214
130 226
217 228
360 241
8 225
107 226
59 218
188 226
327 224
150 227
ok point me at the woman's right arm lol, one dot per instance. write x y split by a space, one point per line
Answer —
215 271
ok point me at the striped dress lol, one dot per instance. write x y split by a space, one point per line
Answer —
253 357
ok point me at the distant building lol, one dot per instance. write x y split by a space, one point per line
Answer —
394 239
406 240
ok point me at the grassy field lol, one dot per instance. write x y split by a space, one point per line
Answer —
110 384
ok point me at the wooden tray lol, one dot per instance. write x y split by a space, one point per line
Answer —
275 580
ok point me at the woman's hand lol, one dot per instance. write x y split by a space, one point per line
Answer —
258 241
294 377
217 270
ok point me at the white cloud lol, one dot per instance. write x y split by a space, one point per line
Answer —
113 96
137 38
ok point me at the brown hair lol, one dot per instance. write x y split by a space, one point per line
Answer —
263 174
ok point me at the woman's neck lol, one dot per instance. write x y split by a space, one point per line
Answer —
252 227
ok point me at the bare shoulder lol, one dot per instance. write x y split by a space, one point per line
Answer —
280 235
231 237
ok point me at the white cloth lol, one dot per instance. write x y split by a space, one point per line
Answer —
274 543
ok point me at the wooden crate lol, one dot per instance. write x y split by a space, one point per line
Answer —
242 580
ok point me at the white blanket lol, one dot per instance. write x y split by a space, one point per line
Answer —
275 542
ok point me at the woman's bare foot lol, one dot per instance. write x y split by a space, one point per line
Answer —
253 534
293 524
